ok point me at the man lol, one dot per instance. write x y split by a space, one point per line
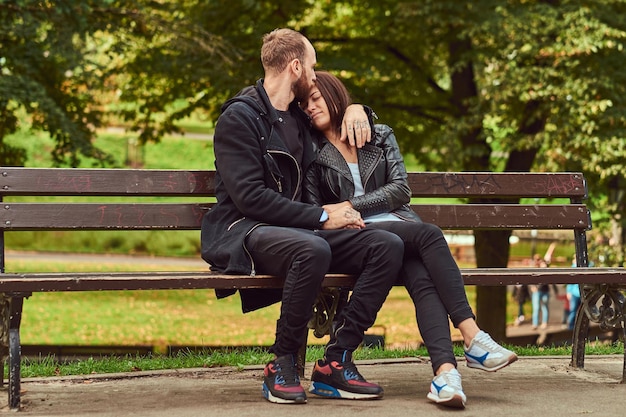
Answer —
259 225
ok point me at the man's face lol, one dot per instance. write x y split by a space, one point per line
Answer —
306 81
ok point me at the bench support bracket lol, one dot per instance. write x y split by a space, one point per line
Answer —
604 304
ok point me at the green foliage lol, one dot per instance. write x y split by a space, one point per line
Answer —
502 85
489 82
48 76
486 85
194 55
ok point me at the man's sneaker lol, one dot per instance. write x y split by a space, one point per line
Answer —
446 389
281 383
342 380
483 353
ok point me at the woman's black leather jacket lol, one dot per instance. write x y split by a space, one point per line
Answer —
383 175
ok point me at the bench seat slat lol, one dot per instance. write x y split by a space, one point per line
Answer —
188 216
42 282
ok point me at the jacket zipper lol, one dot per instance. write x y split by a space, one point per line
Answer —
252 265
370 173
233 224
277 180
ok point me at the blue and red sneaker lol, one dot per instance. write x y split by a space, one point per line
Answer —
342 380
281 382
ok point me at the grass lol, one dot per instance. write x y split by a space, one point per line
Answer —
170 152
186 317
163 318
175 317
240 357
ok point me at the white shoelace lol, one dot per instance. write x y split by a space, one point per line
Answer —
453 379
486 340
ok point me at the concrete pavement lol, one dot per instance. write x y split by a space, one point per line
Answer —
532 386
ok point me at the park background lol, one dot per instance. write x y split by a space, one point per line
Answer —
483 86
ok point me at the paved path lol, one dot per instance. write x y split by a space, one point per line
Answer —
532 386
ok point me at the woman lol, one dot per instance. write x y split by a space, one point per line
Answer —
373 180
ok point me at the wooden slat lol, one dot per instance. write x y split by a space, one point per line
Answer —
105 182
42 282
505 216
88 182
514 276
188 216
132 281
498 184
96 216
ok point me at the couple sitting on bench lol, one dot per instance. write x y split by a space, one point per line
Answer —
264 222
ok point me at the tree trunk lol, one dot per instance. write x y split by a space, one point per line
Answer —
491 247
492 251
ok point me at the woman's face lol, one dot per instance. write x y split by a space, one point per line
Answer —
317 109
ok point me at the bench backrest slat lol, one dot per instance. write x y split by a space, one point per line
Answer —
507 216
185 216
508 184
105 182
101 216
168 215
140 182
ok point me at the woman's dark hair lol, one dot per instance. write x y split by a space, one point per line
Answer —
336 96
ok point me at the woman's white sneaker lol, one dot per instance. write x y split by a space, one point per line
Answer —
446 389
483 353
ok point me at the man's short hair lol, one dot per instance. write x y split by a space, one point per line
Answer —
280 47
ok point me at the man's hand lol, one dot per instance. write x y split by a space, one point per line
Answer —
342 216
355 126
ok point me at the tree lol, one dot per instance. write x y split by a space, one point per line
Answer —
197 55
39 78
67 66
489 85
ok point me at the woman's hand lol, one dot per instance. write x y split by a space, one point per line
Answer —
342 216
355 126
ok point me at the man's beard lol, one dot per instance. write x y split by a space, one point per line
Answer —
301 89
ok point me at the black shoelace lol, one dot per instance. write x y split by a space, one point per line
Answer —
288 371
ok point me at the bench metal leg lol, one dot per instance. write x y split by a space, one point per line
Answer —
579 339
5 314
14 369
623 381
328 303
15 354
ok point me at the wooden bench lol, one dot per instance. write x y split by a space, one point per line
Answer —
602 298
